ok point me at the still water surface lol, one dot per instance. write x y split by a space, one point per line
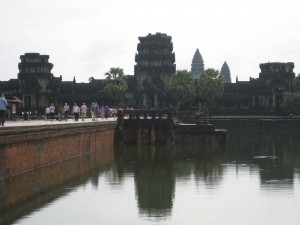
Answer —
254 180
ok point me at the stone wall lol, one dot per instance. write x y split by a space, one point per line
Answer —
29 148
23 193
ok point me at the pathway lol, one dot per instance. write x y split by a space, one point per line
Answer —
22 123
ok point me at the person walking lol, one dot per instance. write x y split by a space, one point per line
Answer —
83 111
52 111
3 105
106 112
92 111
66 111
95 111
47 112
14 111
60 111
76 111
102 112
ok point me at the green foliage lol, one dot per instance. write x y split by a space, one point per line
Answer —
296 84
115 83
182 88
291 102
211 85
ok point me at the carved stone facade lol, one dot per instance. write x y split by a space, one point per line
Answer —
155 65
37 86
148 87
261 95
276 79
34 75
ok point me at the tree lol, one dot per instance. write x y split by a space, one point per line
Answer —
296 83
291 100
211 85
115 84
182 88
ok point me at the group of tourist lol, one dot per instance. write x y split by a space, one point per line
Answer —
65 111
96 110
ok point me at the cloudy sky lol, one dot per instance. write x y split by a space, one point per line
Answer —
86 38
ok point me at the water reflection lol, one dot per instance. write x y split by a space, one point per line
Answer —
258 166
272 154
205 165
158 168
154 176
276 152
25 193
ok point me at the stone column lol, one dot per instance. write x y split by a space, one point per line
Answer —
155 100
274 100
144 100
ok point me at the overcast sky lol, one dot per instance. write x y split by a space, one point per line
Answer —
86 38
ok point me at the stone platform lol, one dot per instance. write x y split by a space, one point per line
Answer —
27 145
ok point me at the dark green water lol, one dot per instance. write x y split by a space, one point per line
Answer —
255 179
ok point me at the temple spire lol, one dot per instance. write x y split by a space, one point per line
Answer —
225 72
197 65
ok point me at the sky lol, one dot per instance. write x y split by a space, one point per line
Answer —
85 38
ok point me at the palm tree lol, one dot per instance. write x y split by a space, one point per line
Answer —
182 88
211 85
115 84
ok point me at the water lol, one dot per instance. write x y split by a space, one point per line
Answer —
255 179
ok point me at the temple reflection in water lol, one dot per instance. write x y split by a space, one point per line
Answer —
271 157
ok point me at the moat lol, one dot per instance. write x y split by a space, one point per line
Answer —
255 179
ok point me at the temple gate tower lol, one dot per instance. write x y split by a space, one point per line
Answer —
155 65
275 78
34 75
197 67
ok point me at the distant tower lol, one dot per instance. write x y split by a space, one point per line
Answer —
155 65
197 65
225 72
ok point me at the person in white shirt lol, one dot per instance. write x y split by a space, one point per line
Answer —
66 111
76 111
47 112
52 110
83 111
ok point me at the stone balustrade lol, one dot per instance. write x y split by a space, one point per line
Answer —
136 114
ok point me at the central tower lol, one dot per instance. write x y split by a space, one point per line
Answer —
155 65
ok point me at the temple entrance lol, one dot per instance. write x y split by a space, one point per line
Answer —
27 101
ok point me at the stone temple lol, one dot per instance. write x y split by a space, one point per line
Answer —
155 65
